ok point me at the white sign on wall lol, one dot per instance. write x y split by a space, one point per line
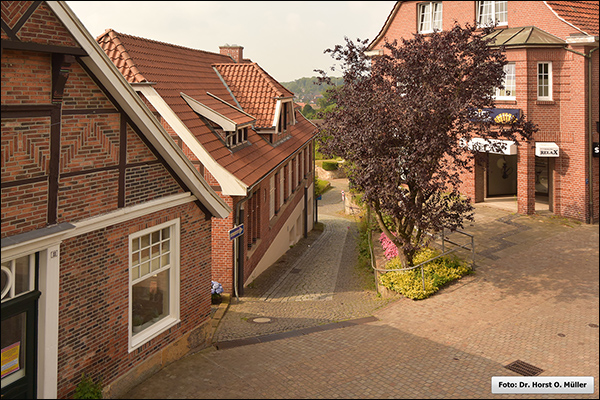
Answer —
494 146
546 149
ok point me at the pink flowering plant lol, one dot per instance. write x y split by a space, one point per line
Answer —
389 248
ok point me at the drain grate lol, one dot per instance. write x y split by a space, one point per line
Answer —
523 368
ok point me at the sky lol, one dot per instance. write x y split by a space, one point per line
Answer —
286 38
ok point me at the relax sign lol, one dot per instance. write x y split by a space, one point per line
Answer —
546 149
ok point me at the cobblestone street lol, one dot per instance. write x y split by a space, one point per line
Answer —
533 298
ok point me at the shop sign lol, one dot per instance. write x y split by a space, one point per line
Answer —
494 146
500 115
236 232
546 149
596 149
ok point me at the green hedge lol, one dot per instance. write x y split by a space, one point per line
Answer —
437 274
330 165
321 186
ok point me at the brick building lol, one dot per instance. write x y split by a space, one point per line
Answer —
552 78
106 225
238 126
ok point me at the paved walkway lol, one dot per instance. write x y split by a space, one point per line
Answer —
533 298
316 282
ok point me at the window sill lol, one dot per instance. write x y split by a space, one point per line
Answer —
153 331
545 102
506 101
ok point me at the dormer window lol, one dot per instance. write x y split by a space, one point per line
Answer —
237 138
492 12
286 116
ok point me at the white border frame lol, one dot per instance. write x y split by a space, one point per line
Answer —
514 96
431 15
174 286
550 83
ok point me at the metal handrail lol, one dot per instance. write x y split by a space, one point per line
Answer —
444 252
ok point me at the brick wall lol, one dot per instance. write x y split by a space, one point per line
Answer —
269 229
94 285
564 120
222 248
26 77
94 281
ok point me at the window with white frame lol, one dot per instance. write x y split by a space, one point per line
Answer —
510 84
544 81
296 181
154 280
430 17
289 178
281 185
18 277
272 197
492 12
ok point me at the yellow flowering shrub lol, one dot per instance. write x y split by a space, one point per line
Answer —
437 273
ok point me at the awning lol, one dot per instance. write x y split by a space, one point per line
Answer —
546 149
494 146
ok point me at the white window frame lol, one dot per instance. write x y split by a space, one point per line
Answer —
289 180
173 317
496 9
510 76
539 83
433 11
296 180
272 196
281 187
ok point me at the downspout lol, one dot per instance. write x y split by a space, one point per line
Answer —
590 217
590 137
236 222
315 201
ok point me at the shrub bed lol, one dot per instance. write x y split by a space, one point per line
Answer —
330 165
437 274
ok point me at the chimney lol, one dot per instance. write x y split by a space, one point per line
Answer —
234 51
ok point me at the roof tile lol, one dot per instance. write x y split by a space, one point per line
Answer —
199 74
582 14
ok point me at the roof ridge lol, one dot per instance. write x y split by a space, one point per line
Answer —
113 36
272 82
166 44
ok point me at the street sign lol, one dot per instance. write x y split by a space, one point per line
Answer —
236 232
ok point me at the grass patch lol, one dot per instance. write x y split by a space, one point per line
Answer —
321 186
364 266
437 273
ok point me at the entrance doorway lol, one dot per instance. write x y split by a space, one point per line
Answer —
20 296
543 183
502 175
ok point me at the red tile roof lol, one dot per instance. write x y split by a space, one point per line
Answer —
175 69
582 14
256 90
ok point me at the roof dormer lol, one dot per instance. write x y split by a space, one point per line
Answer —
229 123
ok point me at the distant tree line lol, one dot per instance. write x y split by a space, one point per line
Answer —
308 90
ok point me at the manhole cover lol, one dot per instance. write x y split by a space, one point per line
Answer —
261 320
523 368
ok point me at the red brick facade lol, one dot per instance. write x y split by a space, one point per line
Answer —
71 156
564 120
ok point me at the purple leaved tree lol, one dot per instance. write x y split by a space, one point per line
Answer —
399 122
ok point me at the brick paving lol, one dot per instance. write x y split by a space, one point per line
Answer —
534 298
